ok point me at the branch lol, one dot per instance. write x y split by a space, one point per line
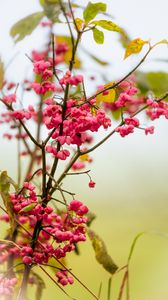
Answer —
121 80
53 58
68 23
23 125
59 188
122 123
72 14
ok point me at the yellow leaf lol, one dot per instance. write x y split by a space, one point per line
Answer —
67 58
162 42
85 157
1 74
79 23
68 54
108 96
134 47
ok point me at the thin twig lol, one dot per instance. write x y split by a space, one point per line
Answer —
63 175
79 173
56 282
68 23
125 277
59 188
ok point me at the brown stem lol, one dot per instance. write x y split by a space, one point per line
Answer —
127 287
37 230
33 155
23 288
125 278
68 23
72 14
71 64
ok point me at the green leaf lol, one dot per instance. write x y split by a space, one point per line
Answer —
25 26
5 183
1 74
42 2
98 36
101 253
157 82
77 251
48 2
52 9
109 288
99 291
108 25
133 245
92 9
28 208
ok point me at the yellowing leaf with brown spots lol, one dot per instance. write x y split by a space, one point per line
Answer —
101 253
109 96
134 47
